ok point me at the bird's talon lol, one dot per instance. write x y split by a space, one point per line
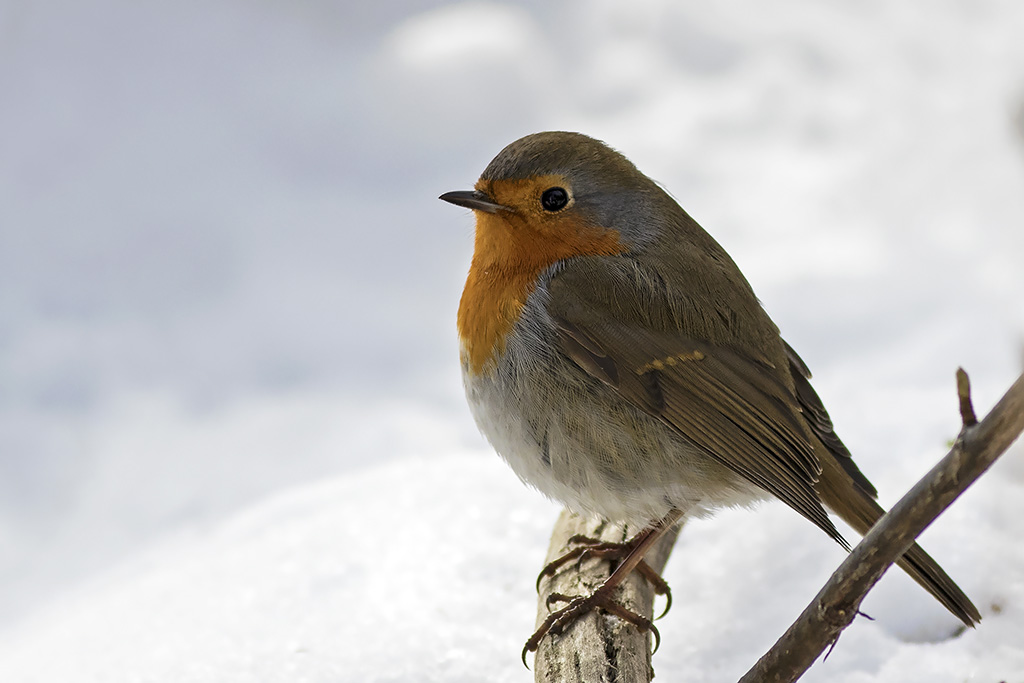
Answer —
584 556
552 567
668 606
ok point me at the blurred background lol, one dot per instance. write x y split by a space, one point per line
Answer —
224 270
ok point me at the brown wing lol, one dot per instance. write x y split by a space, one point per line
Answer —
732 406
740 394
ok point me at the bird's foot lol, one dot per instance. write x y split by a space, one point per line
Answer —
588 547
558 621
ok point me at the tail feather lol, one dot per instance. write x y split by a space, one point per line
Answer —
861 512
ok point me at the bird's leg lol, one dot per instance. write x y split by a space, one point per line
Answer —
588 547
633 551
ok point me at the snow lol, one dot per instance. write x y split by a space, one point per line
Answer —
233 445
339 579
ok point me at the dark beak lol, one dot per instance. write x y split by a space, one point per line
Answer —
473 199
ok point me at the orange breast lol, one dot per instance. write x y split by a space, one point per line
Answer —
510 253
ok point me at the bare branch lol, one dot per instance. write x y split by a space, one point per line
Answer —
834 608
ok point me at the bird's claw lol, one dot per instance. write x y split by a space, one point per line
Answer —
588 547
558 621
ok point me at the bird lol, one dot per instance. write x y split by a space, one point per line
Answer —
617 359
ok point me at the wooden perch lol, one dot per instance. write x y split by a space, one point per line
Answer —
599 647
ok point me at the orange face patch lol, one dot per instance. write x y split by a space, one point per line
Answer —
512 248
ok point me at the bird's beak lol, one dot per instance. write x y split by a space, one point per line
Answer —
473 199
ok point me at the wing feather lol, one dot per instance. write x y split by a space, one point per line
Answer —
731 405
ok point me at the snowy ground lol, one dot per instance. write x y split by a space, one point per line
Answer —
233 445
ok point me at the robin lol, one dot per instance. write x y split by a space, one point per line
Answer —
614 355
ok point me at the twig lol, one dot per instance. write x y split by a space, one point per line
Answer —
834 608
963 390
597 647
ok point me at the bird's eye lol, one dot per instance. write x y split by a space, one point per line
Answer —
554 199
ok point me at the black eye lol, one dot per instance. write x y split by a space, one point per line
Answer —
554 199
